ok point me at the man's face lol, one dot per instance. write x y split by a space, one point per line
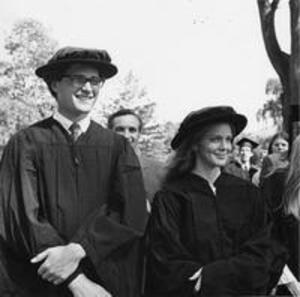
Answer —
75 96
128 126
245 153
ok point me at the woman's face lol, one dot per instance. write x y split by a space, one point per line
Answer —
214 146
280 145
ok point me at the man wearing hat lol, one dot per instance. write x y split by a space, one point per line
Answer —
72 198
242 166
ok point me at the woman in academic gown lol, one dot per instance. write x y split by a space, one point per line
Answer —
281 192
207 233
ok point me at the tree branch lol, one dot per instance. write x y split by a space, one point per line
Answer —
278 58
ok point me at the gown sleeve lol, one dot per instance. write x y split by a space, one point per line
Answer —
282 225
170 264
111 236
247 271
123 218
24 226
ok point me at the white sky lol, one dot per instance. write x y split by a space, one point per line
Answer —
187 53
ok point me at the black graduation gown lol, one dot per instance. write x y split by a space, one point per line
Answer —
53 192
235 168
226 234
285 232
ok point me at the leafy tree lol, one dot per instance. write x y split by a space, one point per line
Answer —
127 92
23 97
168 131
272 108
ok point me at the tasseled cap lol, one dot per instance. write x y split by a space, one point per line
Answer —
246 141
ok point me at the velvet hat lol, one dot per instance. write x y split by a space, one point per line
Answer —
70 55
199 119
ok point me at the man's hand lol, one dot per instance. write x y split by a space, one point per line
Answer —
81 286
59 262
197 276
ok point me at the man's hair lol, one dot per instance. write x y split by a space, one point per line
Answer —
123 112
55 77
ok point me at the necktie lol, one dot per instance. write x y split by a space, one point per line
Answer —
75 131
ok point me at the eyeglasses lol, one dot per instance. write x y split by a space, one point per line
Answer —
79 81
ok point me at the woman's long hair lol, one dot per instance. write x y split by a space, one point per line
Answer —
291 195
182 162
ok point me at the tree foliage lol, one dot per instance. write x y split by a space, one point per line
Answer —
272 108
127 92
278 58
23 97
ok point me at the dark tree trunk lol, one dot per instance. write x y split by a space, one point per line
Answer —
286 66
294 116
278 58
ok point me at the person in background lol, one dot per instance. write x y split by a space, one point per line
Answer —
72 200
242 166
281 189
279 143
129 124
277 155
207 232
259 154
257 159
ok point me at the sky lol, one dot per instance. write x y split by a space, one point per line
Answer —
188 54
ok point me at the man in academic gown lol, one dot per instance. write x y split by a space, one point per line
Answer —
129 124
242 166
72 201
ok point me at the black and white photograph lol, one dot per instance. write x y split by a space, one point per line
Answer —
149 148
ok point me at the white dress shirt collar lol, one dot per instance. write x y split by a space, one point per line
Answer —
66 123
